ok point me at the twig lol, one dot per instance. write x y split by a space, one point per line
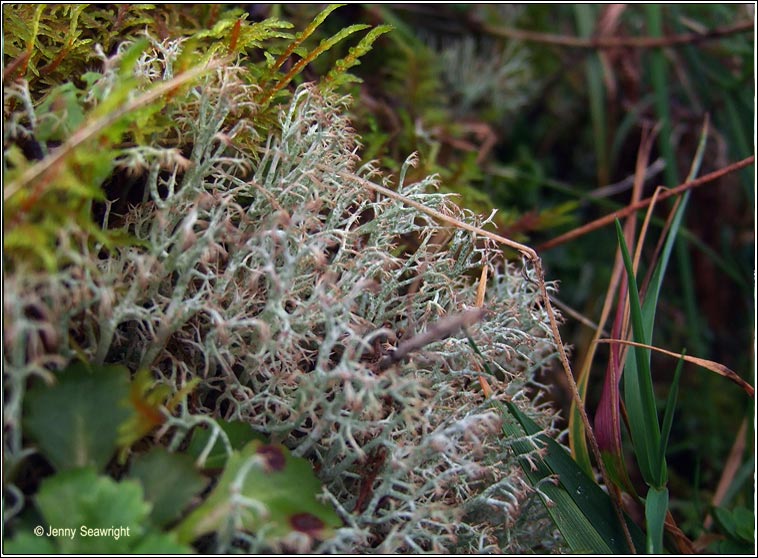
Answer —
615 42
618 187
608 219
578 316
537 263
440 330
36 173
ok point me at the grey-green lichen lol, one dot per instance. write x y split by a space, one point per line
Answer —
278 280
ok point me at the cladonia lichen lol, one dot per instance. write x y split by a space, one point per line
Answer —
260 269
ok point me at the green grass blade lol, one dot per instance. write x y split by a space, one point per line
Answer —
738 142
578 436
659 80
683 254
582 511
694 320
638 384
585 20
650 303
656 504
743 475
668 415
651 297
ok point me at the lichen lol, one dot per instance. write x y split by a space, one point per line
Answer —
263 269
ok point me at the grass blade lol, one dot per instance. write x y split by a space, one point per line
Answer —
585 20
638 385
577 438
716 367
582 511
659 81
651 296
656 504
668 414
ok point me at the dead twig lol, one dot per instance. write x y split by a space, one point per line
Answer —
615 42
610 218
442 329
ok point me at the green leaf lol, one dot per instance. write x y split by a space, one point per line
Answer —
638 385
31 241
168 494
656 504
27 543
730 547
160 543
79 502
304 34
744 520
61 113
295 46
263 488
668 415
615 466
737 524
90 514
75 422
581 510
354 54
237 434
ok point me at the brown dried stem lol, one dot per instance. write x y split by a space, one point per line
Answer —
608 219
440 330
38 175
616 42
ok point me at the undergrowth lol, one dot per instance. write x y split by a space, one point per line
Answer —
235 249
191 284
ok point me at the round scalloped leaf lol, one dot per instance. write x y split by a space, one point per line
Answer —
168 494
83 506
263 488
75 421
